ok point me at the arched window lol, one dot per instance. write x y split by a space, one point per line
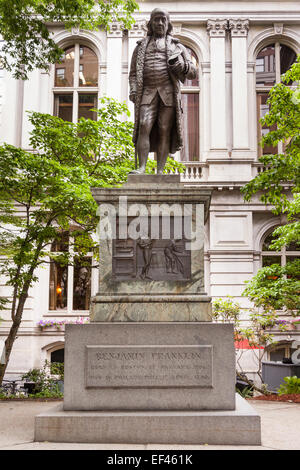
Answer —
190 106
286 254
271 62
76 84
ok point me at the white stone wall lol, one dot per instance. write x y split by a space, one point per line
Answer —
226 49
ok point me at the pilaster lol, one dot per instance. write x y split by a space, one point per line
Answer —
114 61
217 31
239 32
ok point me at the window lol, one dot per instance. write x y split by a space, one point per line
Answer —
279 351
76 84
58 356
287 253
70 286
271 62
190 105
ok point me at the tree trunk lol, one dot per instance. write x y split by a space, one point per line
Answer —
252 385
17 317
13 332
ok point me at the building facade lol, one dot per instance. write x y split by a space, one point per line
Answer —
240 48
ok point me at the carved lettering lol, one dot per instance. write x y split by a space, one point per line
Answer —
149 366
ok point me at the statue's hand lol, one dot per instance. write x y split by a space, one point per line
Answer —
132 97
177 65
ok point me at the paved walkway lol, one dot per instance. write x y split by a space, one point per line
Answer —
280 429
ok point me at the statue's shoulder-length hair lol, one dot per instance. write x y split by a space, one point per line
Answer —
150 30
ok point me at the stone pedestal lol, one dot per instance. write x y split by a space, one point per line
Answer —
151 367
159 204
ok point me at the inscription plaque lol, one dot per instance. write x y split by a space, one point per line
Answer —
148 366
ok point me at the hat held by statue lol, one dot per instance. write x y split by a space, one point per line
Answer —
177 62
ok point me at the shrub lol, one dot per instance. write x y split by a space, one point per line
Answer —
45 385
291 385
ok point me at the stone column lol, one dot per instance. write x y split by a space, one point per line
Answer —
217 30
239 32
114 62
138 31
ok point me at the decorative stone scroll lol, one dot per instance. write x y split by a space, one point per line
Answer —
278 28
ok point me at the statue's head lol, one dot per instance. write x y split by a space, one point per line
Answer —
159 24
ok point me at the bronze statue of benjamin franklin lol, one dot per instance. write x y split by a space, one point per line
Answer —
159 63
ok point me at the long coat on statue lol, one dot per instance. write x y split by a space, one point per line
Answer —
173 47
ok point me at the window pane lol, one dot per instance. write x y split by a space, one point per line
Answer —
262 110
267 242
265 67
64 72
58 356
287 58
190 105
277 355
295 274
88 67
64 107
194 59
269 260
62 244
85 104
58 287
82 285
293 247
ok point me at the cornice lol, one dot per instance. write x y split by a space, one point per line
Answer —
255 16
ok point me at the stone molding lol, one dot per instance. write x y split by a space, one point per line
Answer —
115 31
217 28
239 28
138 30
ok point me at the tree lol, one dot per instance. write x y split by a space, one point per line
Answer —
282 169
276 288
279 185
28 42
46 192
255 335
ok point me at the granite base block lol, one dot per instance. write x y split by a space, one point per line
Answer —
238 427
146 366
151 308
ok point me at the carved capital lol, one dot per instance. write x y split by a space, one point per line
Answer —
138 30
115 30
217 28
239 28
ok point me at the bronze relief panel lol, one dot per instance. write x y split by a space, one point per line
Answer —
153 259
